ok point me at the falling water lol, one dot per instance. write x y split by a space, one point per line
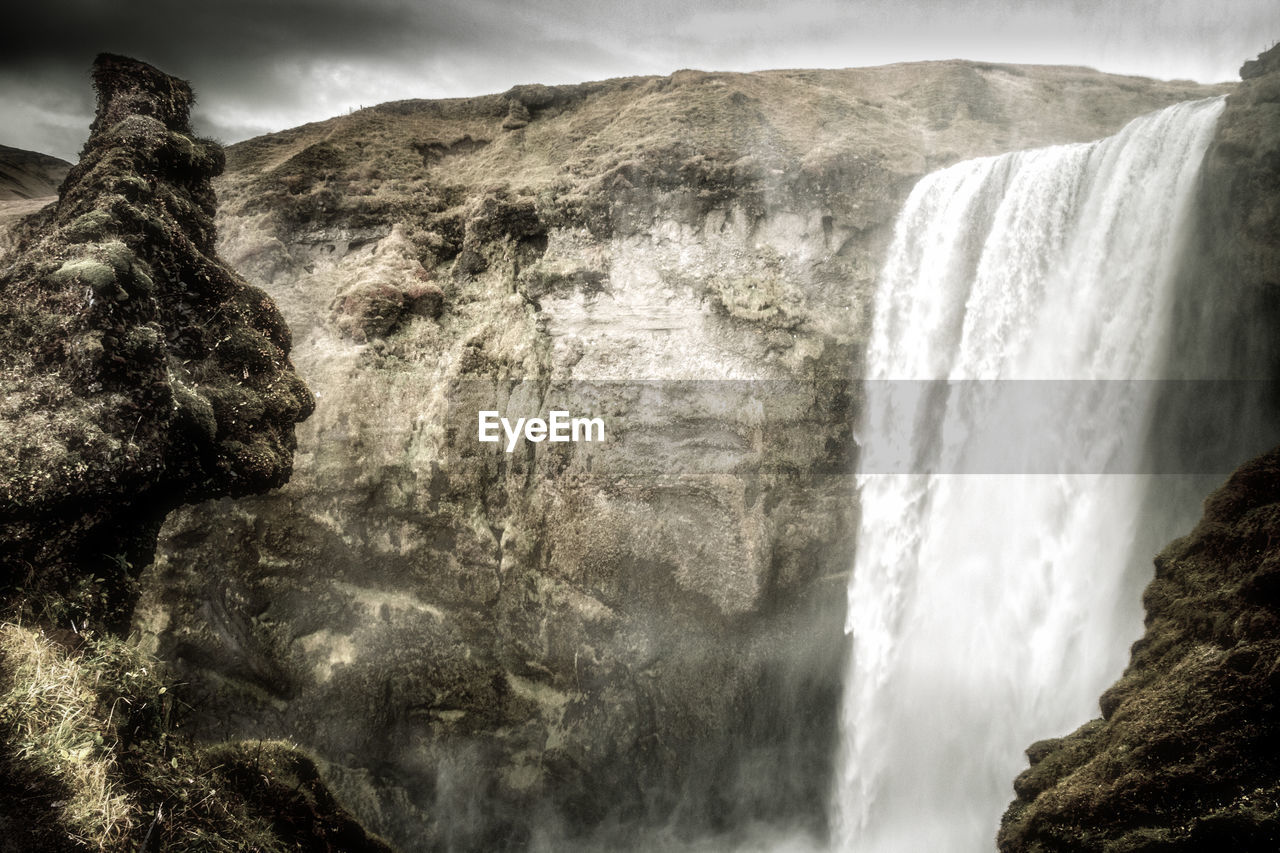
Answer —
990 610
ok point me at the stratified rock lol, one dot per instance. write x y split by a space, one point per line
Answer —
1186 756
137 372
575 644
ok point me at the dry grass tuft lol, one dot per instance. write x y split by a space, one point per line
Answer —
50 715
91 760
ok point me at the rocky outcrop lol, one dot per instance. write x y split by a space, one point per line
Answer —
1240 187
137 372
1184 757
574 643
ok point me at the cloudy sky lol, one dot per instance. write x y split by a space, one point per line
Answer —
263 65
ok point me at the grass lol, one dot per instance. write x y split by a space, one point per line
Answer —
51 718
92 759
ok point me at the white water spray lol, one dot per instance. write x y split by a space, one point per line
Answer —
990 611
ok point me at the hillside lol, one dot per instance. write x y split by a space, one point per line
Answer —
29 175
28 182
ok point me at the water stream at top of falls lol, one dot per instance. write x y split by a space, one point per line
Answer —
989 608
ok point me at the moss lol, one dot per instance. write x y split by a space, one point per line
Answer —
1186 757
87 271
194 413
94 225
375 309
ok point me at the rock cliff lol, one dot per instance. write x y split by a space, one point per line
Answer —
1184 757
574 644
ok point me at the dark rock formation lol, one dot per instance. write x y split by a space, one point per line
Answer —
579 644
1186 756
1240 189
137 372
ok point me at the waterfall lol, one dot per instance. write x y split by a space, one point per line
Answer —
994 593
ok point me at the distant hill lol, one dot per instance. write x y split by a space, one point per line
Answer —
28 174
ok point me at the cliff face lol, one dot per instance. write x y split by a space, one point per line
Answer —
1185 755
136 371
496 650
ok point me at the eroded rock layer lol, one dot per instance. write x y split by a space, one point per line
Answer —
575 643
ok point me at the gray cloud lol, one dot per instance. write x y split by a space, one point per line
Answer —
260 66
